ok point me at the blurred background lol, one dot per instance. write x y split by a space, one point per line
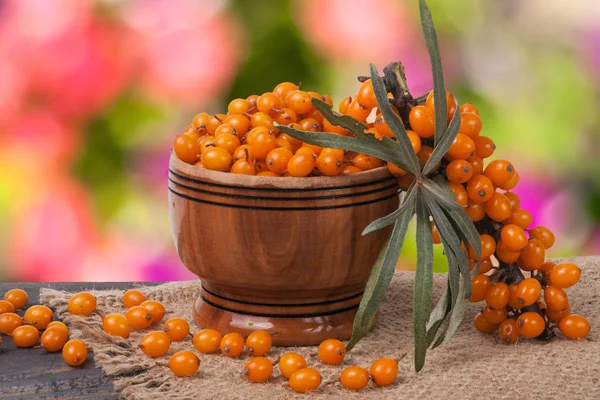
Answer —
92 94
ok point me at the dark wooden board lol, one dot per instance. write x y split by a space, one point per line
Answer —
37 374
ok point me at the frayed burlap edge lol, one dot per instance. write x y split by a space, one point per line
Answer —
471 366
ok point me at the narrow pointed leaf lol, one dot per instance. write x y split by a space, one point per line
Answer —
394 122
393 216
444 144
438 315
458 312
381 276
423 282
441 195
439 92
454 288
345 121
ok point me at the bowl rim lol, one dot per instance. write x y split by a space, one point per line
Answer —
178 167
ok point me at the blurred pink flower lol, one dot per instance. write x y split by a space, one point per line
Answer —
190 48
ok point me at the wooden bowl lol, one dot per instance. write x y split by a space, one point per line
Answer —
280 254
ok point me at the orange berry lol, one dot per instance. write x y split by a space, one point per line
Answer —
205 143
382 127
528 292
565 275
6 307
232 344
252 99
475 211
484 146
422 121
494 316
484 326
238 106
498 207
354 378
184 363
497 295
531 324
521 217
284 88
332 351
25 336
470 124
469 108
156 309
488 247
547 267
186 149
155 344
207 340
262 120
365 162
138 317
556 298
329 164
278 159
509 331
228 142
462 148
299 101
214 122
239 123
58 324
116 325
225 129
243 167
500 172
512 183
285 116
244 152
199 123
259 343
301 165
533 256
74 352
480 189
82 304
477 164
267 173
290 363
133 298
269 103
460 193
9 322
425 154
459 171
216 159
177 329
17 297
366 95
515 201
484 265
479 287
258 369
505 255
514 237
350 169
39 316
542 234
54 338
557 315
305 380
450 104
574 326
358 111
384 371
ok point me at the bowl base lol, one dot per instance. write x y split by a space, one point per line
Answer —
291 324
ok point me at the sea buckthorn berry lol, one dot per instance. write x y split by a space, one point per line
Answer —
344 104
505 255
228 142
155 344
225 129
500 172
470 124
350 169
17 297
133 298
521 217
480 189
6 307
354 378
269 103
515 201
258 369
543 234
305 380
460 193
263 143
512 183
252 99
54 338
290 363
547 267
450 104
459 171
74 352
9 322
394 169
358 111
285 116
232 344
484 326
301 165
556 298
528 292
156 309
422 121
260 119
513 302
565 275
329 165
244 152
278 159
531 324
238 106
243 167
479 287
216 159
116 325
207 340
462 148
199 123
332 351
294 142
475 211
424 155
415 140
488 247
39 316
574 326
557 315
384 371
494 316
58 324
184 363
382 127
82 304
498 207
337 153
316 150
138 317
509 331
533 256
193 134
206 142
267 173
186 149
25 336
299 101
484 265
484 146
366 162
366 95
468 108
239 123
477 164
284 88
497 295
259 343
214 122
329 127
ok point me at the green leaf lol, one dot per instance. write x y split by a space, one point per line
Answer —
395 124
423 281
438 315
381 276
454 289
393 216
335 118
458 312
443 196
444 144
439 92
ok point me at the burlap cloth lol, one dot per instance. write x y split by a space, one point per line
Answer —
471 366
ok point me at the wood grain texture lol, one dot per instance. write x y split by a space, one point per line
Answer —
284 250
37 374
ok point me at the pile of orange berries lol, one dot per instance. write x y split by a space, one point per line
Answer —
246 141
516 306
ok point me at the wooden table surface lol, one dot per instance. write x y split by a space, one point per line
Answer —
37 374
